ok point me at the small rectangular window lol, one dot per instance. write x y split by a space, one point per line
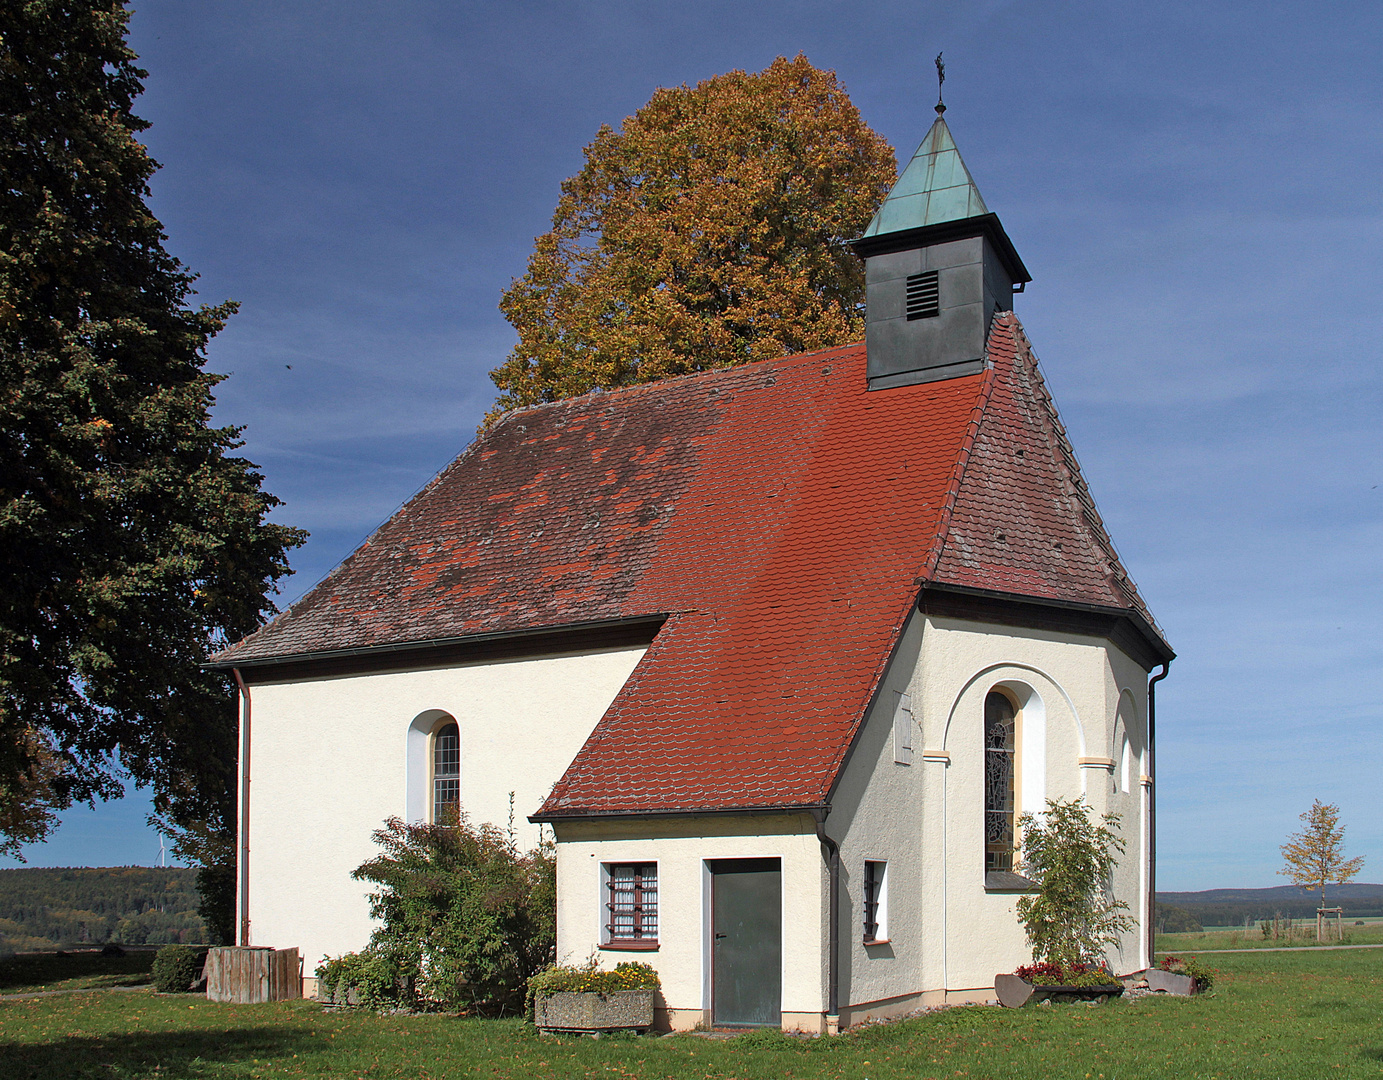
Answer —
875 901
924 296
632 905
902 730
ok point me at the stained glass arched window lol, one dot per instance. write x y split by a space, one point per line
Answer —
446 774
1000 728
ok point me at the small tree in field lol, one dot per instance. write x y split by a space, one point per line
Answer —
1071 918
1315 856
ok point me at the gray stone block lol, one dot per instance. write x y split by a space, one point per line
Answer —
619 1010
1169 982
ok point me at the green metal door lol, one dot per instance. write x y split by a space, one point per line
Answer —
746 942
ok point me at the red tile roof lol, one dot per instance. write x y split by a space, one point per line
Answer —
782 516
1023 520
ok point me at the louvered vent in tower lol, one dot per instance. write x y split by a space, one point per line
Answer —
924 297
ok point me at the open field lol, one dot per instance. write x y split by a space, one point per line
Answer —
1283 1016
1368 934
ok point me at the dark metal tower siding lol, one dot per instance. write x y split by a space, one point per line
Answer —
972 284
938 265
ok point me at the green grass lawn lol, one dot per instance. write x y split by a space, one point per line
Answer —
1273 1015
75 971
1368 934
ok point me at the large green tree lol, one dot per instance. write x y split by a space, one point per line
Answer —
711 229
132 540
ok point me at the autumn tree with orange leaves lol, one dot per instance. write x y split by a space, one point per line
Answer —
1315 856
710 230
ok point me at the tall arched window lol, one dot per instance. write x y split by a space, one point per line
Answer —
1000 730
446 774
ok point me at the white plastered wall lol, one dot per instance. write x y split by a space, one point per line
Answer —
1128 784
681 847
1069 691
1080 701
948 936
878 813
331 760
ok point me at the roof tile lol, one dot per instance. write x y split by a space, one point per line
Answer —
779 514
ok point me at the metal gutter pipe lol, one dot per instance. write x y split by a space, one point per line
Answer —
832 853
243 861
1152 807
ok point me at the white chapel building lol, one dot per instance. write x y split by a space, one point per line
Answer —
778 653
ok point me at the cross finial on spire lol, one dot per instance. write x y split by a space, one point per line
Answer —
940 80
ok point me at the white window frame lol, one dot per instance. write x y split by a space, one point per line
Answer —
607 938
879 878
432 777
1016 771
902 730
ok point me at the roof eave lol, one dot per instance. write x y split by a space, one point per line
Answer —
986 225
556 818
1148 633
221 662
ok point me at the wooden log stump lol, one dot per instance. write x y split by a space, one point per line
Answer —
247 976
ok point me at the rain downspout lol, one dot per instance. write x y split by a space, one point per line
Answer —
832 854
1152 808
243 860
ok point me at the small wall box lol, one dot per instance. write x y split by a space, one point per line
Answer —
248 976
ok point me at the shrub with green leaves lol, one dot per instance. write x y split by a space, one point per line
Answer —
178 968
1071 919
1189 965
371 979
591 978
465 918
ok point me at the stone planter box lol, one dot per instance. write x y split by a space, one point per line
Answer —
340 995
1170 982
1014 993
620 1010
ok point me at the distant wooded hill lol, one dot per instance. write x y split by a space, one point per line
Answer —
43 908
1233 907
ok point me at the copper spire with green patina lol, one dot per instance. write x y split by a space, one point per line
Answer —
935 187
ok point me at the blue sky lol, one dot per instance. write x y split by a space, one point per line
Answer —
1195 188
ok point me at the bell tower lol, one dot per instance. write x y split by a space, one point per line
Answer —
937 266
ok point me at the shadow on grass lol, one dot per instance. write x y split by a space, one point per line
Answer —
92 968
185 1053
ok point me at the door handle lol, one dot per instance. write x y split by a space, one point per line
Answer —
719 936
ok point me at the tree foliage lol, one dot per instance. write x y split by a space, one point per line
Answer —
1071 919
47 908
29 798
1315 856
132 541
708 231
465 918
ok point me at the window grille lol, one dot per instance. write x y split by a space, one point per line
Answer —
874 900
446 774
924 296
1000 724
633 904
